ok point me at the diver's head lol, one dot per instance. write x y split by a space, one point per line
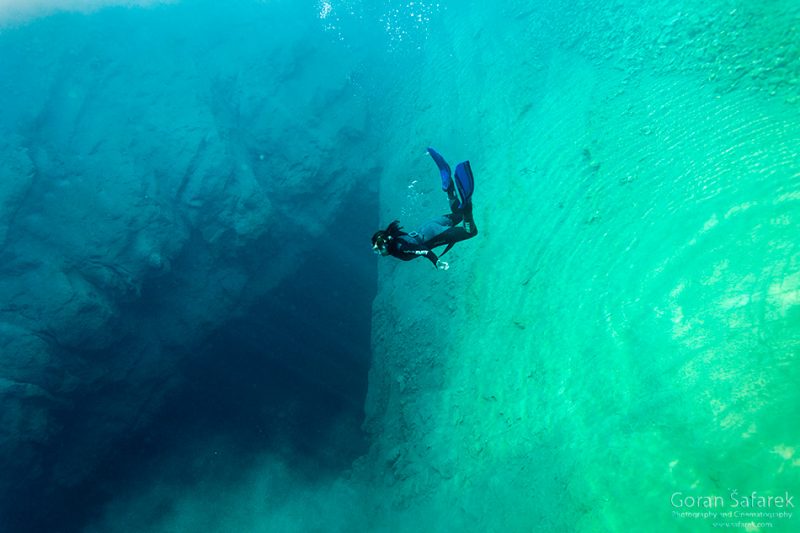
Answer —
380 242
382 238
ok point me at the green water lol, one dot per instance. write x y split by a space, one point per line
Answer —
625 332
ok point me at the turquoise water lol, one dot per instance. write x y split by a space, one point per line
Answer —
625 332
188 191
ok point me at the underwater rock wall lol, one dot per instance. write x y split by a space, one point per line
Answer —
146 198
625 326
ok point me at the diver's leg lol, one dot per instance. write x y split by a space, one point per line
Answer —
433 228
460 214
451 236
469 222
453 199
453 219
445 230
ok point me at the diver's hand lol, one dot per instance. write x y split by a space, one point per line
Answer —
442 265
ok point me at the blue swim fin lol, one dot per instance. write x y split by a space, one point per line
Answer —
465 184
444 169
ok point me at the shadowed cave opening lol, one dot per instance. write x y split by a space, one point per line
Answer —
285 379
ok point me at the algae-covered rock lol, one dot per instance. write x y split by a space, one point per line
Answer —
16 177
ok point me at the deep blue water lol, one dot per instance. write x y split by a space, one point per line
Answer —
247 340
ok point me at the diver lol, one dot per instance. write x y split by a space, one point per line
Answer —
441 231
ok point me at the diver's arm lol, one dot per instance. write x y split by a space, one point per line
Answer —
432 257
408 251
435 261
427 253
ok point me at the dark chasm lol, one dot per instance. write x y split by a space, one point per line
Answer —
285 378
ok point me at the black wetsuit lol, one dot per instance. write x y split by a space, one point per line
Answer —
440 231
